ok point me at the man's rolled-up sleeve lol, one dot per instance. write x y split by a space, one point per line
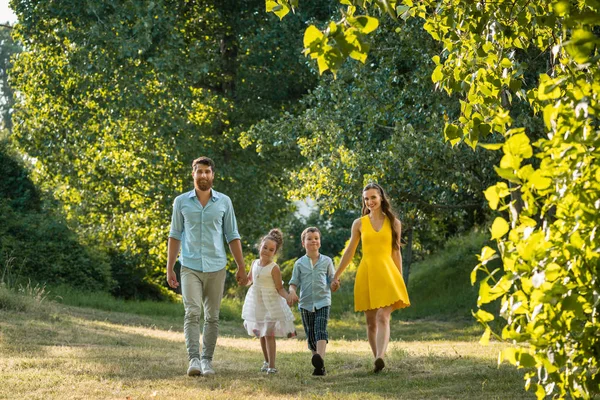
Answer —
176 230
230 228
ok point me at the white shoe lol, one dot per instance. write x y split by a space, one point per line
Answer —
207 367
264 367
272 370
194 368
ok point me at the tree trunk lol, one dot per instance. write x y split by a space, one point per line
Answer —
407 255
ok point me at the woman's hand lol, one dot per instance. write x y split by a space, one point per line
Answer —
335 285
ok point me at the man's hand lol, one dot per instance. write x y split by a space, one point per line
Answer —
172 278
241 277
292 298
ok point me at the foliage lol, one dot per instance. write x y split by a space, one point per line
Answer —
447 270
335 231
549 287
36 244
117 98
380 122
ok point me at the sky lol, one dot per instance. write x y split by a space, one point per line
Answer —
6 14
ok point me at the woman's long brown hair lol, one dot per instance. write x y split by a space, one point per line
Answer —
386 207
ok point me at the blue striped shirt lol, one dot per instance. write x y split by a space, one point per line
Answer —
201 230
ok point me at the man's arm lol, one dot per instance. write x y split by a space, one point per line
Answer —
174 244
172 252
235 246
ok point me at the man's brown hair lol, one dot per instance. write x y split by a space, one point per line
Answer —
203 161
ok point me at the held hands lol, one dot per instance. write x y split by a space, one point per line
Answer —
292 298
241 277
335 285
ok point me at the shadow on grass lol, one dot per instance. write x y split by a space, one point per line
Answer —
101 346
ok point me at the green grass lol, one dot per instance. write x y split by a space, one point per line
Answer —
231 308
59 343
55 351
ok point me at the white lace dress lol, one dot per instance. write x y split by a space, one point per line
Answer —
265 312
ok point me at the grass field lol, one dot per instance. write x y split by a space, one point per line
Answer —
55 351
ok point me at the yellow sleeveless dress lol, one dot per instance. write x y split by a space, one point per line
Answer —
378 282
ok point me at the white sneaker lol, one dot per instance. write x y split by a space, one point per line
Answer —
264 367
207 367
272 371
194 368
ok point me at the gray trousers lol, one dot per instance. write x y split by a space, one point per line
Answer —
202 293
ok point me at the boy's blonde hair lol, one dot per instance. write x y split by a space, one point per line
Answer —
310 229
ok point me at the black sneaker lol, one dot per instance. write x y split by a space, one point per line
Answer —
319 372
379 365
317 362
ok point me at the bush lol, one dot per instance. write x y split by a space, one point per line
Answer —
440 286
35 244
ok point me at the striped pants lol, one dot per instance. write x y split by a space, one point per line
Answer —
315 326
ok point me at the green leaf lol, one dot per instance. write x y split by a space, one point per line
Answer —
311 35
363 23
561 7
493 194
581 45
509 354
483 316
403 11
518 145
505 63
490 146
437 74
499 228
485 338
487 254
539 181
549 89
507 174
526 360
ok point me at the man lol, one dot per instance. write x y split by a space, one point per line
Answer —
201 219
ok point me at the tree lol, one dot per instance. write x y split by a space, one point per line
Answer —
117 99
8 48
549 287
380 122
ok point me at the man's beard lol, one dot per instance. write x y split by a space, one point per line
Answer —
204 186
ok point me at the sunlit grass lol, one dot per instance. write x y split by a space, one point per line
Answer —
63 352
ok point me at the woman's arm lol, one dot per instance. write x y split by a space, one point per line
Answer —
396 255
350 249
276 275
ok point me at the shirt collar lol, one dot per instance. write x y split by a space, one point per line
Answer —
309 261
214 194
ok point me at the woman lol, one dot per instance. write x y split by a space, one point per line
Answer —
379 288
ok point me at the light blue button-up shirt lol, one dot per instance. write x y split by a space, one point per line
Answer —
313 282
201 230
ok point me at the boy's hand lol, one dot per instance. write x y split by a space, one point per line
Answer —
292 298
335 285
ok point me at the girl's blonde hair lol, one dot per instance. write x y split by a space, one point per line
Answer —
275 235
310 229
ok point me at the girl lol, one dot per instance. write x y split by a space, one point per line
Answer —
265 312
312 274
379 288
